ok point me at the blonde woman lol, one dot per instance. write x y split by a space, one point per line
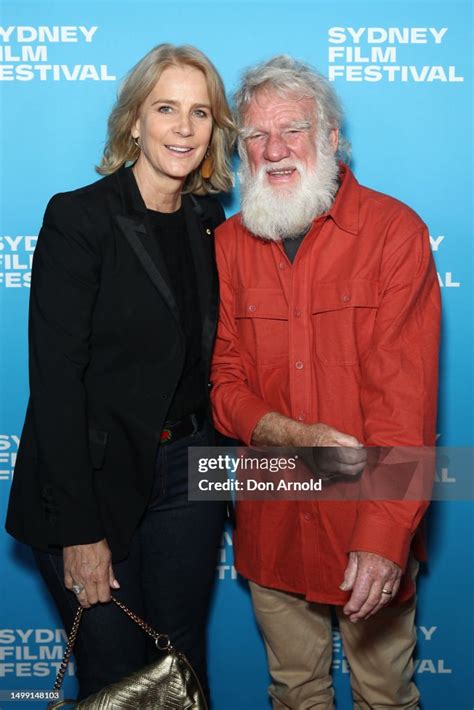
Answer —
122 320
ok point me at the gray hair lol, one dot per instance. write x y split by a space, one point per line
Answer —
287 75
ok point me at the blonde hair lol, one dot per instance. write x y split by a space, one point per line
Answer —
139 82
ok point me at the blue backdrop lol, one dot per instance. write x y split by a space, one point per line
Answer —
402 70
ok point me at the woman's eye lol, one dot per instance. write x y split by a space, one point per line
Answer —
200 113
165 109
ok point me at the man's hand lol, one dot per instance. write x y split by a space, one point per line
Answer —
329 452
274 429
374 581
334 453
324 435
89 567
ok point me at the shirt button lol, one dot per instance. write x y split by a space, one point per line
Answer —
307 516
297 312
299 365
208 232
346 297
252 308
282 265
302 417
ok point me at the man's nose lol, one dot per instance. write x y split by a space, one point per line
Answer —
275 148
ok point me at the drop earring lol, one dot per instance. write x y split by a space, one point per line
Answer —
207 167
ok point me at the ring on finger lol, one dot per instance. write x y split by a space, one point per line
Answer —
77 588
387 591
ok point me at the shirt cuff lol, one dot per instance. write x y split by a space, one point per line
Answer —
371 534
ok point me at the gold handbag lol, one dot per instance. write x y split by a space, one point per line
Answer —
167 684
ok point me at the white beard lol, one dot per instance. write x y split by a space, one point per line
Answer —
276 213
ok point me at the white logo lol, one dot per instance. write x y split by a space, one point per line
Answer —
339 660
24 54
8 450
16 259
446 279
422 665
32 653
360 54
430 665
225 568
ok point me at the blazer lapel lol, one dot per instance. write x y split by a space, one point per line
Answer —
133 225
137 236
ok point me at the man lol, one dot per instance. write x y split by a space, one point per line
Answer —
328 336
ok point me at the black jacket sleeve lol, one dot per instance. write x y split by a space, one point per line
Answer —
64 287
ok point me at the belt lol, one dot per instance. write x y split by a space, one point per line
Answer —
190 424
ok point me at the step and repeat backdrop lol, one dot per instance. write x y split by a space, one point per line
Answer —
403 71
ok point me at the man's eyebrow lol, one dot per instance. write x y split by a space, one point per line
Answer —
248 131
303 124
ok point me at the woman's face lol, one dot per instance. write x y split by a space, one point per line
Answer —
175 124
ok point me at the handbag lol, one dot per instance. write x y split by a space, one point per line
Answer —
169 683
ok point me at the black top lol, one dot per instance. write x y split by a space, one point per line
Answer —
292 245
170 231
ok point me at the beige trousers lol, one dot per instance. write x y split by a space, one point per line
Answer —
298 640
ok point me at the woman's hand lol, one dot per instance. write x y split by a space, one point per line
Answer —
88 572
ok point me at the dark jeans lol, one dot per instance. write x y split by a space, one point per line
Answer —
166 579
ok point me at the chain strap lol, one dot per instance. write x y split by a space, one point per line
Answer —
162 641
68 650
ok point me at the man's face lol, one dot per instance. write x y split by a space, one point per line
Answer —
288 173
279 135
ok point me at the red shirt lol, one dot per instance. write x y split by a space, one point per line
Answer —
347 335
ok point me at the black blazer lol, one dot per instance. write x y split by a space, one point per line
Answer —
106 351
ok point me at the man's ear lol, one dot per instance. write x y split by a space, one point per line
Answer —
334 138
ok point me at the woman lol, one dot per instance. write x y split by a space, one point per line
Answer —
122 319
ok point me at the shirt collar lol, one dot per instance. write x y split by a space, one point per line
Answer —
345 208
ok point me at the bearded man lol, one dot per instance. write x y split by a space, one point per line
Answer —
328 336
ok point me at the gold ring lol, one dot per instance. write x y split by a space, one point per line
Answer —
386 591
